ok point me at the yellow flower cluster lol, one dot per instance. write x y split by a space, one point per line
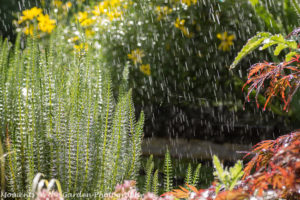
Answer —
45 24
162 11
180 25
187 2
136 57
84 20
226 41
30 14
112 9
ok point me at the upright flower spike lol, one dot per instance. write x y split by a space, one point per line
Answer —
226 41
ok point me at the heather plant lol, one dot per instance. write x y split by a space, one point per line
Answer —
59 117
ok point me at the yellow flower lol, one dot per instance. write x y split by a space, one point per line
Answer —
30 14
179 23
45 23
67 5
57 3
146 69
136 56
82 16
226 41
84 20
89 32
29 30
114 15
80 47
187 2
87 22
162 12
74 39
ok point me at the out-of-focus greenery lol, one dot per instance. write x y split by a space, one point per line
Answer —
178 51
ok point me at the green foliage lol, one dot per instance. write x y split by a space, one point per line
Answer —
149 170
188 176
155 183
59 117
227 178
267 40
296 6
265 15
2 168
196 175
168 178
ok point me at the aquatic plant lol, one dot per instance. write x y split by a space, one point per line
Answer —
58 116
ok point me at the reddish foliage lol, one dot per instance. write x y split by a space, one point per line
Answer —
275 168
281 79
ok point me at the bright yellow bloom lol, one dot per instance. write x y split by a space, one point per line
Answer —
74 39
146 69
226 41
179 23
67 5
29 30
89 33
82 16
136 56
30 14
84 20
114 15
57 3
80 47
87 22
45 23
110 8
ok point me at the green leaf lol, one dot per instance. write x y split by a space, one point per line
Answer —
196 175
251 45
168 180
296 6
188 176
155 183
279 48
290 55
219 169
236 173
254 2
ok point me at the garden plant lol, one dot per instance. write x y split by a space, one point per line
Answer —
67 112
